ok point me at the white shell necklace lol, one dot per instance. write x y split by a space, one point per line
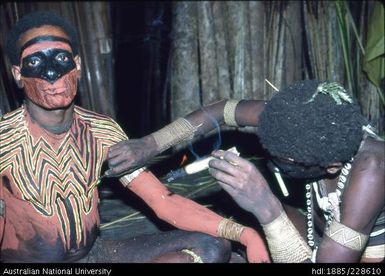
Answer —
328 202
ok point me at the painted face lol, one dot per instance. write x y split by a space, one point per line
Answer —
296 170
49 65
48 72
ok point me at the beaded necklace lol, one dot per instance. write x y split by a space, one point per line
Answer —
328 202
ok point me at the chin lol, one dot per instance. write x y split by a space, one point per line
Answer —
57 106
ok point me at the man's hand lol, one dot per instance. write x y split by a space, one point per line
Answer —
255 247
243 181
130 154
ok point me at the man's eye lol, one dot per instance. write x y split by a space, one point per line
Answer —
62 57
34 62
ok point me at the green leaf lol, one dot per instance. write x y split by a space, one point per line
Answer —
374 60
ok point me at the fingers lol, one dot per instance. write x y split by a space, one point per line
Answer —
108 173
111 172
119 158
229 163
224 166
117 165
115 149
116 160
129 147
222 176
124 156
230 157
227 187
225 169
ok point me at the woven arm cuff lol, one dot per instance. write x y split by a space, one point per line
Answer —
230 230
285 242
178 131
346 236
229 112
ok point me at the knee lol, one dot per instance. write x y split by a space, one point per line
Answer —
212 249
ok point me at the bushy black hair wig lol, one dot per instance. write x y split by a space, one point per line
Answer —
33 20
311 130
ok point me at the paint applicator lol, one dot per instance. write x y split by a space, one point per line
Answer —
203 164
195 167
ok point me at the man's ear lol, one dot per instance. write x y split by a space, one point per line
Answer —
17 76
333 168
78 62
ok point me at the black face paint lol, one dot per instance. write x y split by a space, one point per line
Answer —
49 65
296 170
44 38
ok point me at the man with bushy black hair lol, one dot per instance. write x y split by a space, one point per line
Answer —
314 132
51 155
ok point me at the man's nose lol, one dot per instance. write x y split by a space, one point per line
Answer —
51 75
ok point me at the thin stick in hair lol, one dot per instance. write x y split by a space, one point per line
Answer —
272 85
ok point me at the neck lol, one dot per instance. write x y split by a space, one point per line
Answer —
331 182
55 121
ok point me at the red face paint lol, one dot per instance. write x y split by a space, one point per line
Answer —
51 96
58 94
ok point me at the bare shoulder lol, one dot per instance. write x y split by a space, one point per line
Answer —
371 155
364 197
368 172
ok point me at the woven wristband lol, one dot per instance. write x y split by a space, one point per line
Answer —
229 112
229 229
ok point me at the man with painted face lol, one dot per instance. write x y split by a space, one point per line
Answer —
51 154
312 131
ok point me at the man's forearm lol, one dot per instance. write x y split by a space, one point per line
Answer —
200 122
188 215
132 154
181 212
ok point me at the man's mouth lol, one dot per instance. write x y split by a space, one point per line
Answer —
54 91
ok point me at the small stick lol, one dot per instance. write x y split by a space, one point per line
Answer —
275 88
281 183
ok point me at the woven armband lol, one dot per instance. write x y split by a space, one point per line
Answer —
229 112
174 133
285 242
346 236
127 179
230 230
